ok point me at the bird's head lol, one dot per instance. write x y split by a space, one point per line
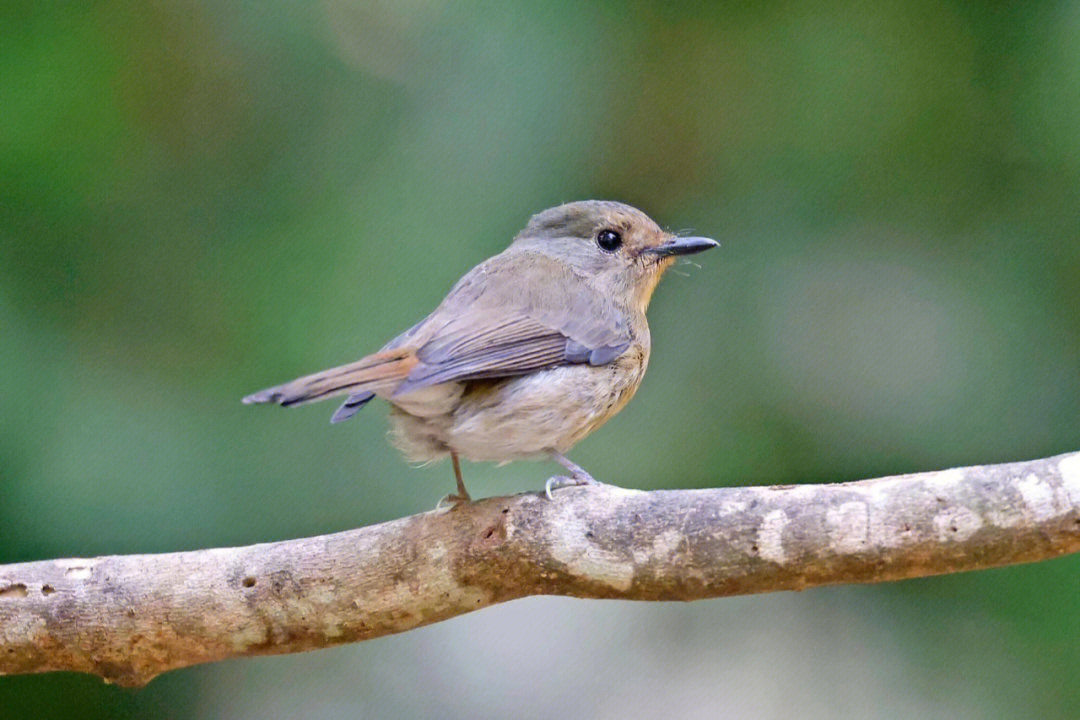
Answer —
616 247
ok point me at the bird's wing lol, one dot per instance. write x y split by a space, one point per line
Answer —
508 320
511 315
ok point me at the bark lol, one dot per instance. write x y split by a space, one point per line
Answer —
130 618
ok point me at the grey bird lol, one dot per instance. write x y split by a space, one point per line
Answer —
532 350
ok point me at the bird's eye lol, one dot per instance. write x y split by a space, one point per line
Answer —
608 240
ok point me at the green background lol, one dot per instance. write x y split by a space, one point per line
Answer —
198 199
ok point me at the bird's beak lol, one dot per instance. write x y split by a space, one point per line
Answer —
682 246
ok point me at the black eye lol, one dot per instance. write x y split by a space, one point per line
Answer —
608 240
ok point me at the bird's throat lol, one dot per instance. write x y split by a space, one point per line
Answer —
647 284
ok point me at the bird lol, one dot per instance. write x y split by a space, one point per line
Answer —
532 350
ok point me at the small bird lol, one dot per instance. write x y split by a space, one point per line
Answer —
531 350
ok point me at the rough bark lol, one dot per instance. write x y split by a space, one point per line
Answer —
129 618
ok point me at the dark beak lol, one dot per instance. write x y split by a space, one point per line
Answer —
682 246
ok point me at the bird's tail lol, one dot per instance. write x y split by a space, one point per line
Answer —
369 374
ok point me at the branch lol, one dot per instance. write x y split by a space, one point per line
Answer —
130 618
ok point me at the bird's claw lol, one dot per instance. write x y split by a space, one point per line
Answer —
453 501
557 482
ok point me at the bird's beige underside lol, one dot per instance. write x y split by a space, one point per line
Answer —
514 418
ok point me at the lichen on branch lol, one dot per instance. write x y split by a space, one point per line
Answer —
130 618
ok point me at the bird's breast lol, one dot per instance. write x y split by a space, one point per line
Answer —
548 410
511 418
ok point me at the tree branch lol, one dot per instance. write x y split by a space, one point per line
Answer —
129 618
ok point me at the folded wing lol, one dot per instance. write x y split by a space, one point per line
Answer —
496 322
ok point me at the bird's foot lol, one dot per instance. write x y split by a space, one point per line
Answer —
558 482
453 500
462 495
577 476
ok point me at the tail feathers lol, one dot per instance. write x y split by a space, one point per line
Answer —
374 372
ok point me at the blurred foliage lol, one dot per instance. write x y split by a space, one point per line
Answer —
199 199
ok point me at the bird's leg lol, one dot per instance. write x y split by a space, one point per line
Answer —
576 471
462 494
578 476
